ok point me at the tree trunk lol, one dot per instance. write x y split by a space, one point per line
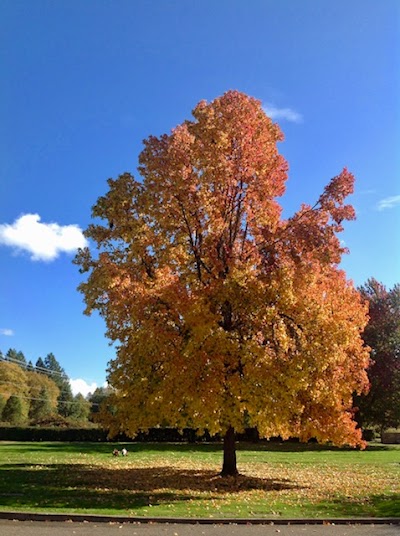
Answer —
229 466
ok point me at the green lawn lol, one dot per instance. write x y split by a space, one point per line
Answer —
277 480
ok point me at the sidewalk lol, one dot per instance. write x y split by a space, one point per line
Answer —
151 528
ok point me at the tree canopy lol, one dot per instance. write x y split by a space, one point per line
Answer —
381 406
225 314
43 393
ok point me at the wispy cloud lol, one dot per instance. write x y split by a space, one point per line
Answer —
7 332
44 241
81 386
388 202
287 114
367 192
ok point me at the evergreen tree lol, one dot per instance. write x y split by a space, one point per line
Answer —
65 400
2 404
54 370
13 411
40 366
41 407
16 357
80 408
98 397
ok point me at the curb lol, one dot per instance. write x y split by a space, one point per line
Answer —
94 518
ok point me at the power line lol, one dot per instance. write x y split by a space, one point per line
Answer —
42 399
43 370
40 370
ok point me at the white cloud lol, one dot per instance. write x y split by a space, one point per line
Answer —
81 386
282 113
7 332
44 241
388 202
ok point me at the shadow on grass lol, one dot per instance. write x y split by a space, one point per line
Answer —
79 487
89 487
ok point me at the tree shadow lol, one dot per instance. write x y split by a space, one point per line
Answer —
145 479
80 486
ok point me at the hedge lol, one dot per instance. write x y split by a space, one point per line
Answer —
156 435
30 433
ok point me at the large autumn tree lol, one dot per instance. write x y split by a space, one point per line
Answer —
226 315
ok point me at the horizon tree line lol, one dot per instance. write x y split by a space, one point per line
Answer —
41 394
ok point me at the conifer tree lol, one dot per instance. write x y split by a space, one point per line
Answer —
13 412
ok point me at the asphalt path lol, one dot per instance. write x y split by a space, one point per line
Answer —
56 528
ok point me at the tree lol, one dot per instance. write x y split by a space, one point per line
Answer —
54 370
97 399
13 411
65 400
2 403
381 406
40 366
225 314
41 406
16 357
13 380
79 409
43 393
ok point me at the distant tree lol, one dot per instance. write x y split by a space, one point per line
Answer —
54 370
30 367
80 408
3 401
97 398
40 407
65 400
16 356
39 383
13 412
225 314
40 366
381 406
13 380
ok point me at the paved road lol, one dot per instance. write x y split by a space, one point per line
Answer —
55 528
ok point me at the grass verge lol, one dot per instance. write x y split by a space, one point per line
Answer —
276 480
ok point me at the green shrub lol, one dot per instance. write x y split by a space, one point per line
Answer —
13 411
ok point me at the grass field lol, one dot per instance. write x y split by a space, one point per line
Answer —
277 480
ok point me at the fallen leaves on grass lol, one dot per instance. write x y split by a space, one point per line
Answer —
169 484
259 483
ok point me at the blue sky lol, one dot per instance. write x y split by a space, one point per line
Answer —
84 82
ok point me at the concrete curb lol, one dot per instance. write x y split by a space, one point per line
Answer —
94 518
